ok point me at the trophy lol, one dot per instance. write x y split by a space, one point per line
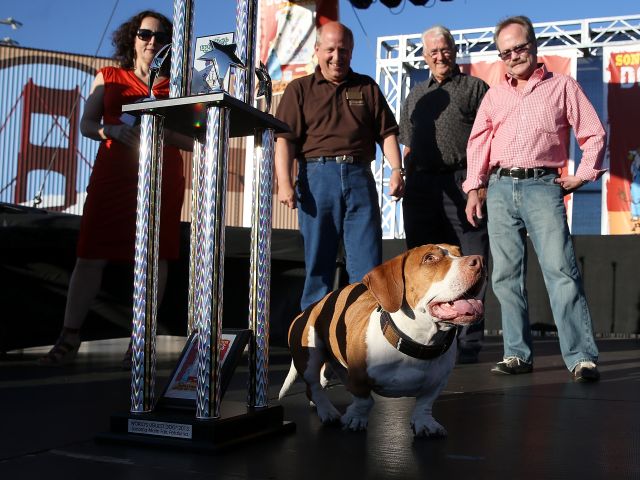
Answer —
156 65
264 85
210 119
218 59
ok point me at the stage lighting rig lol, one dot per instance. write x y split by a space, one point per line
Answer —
422 3
361 4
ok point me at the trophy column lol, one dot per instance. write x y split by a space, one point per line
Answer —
181 62
262 198
260 269
209 264
198 160
145 289
145 292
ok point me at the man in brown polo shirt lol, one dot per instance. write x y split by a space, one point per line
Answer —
336 117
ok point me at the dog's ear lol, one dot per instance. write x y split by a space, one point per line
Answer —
386 283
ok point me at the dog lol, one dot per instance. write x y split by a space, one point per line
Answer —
394 334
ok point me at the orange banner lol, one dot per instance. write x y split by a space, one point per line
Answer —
623 112
286 36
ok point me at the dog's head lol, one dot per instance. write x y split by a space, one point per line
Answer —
433 279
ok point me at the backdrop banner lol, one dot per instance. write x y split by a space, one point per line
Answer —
286 36
621 70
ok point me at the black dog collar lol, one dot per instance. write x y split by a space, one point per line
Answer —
410 347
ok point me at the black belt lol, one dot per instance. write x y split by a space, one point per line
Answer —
522 173
337 159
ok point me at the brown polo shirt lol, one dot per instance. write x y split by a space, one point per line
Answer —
329 119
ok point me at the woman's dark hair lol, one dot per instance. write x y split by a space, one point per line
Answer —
124 38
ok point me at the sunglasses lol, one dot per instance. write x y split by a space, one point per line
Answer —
506 54
145 35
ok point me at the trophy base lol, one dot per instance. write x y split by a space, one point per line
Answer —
180 430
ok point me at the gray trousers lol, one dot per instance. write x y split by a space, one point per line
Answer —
433 211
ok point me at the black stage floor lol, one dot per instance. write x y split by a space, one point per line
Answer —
538 426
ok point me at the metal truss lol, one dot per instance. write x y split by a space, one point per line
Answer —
399 54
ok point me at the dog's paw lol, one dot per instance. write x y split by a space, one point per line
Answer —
328 415
354 423
426 426
357 415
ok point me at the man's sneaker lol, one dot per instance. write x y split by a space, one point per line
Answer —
586 372
512 366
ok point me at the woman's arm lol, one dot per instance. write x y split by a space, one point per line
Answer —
91 125
91 122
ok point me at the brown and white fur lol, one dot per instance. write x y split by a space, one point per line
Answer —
427 290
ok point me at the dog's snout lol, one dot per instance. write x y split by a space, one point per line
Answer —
475 262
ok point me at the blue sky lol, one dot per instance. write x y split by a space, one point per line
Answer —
76 25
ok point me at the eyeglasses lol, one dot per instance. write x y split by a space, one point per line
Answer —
445 52
145 35
506 54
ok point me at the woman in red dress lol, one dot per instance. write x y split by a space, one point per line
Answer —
107 228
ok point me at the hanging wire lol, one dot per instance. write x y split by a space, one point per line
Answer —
37 199
400 10
364 32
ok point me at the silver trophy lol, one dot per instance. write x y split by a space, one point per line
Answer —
154 71
264 85
219 59
156 65
206 277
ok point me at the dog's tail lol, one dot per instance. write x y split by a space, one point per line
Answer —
291 377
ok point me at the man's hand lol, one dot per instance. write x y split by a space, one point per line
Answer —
482 194
475 202
284 156
287 195
569 183
396 184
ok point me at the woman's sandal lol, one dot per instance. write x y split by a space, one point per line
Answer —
62 353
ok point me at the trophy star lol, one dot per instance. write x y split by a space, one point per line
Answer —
264 84
222 57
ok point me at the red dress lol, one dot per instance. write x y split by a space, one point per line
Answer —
108 225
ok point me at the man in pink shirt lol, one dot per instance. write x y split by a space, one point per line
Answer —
519 140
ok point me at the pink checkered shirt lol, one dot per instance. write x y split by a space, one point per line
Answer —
530 128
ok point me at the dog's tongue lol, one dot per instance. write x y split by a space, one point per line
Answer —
447 311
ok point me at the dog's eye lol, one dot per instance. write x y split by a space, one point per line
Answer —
430 258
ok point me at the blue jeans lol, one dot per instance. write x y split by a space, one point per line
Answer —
535 205
337 200
635 197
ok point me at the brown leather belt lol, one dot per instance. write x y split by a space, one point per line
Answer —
522 173
337 159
